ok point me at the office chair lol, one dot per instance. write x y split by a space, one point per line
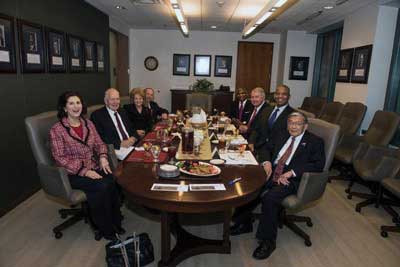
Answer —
201 100
313 104
54 180
312 185
332 112
392 185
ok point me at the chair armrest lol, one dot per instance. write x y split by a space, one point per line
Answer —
380 151
54 181
112 157
388 167
312 186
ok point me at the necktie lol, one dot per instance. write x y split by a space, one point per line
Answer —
253 115
241 110
272 119
121 130
281 162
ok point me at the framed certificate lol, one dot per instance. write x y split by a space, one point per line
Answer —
56 50
90 56
298 68
32 48
100 57
75 51
361 61
223 66
344 66
202 65
7 45
181 64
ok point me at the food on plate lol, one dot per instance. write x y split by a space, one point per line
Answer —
197 168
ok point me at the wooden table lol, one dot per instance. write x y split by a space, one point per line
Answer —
137 178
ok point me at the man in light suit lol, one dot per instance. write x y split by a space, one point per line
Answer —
273 120
288 157
112 123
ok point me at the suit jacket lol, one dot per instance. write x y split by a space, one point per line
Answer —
106 128
308 157
262 133
256 120
247 110
156 111
140 121
77 155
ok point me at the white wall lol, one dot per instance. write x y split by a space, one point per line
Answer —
118 25
299 44
370 25
163 44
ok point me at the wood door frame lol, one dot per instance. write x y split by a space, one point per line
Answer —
118 55
237 65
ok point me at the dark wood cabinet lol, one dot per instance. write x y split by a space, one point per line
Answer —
221 100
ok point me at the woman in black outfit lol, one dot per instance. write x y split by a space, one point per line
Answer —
139 115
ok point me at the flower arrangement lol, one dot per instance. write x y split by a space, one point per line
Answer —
203 85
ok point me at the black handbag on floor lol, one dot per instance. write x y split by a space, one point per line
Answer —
125 253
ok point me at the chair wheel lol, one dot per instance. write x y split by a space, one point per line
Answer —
97 236
58 235
349 196
347 190
384 234
358 209
307 243
309 224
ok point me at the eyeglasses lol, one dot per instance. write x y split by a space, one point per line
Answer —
295 123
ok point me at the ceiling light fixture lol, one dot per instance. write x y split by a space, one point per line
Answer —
270 11
176 8
328 7
213 27
120 7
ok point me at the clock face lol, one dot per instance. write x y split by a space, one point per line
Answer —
151 63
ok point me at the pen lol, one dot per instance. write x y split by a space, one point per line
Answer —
234 181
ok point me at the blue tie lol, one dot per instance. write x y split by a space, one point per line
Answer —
272 119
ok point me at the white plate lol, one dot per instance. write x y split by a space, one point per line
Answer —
217 161
218 170
215 141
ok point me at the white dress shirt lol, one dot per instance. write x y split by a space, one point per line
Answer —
244 103
112 115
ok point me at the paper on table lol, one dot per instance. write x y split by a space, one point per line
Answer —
139 148
207 187
214 151
170 187
123 152
234 158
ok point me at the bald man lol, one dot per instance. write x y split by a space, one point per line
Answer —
112 123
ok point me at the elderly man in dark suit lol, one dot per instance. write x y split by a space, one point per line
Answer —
288 157
273 120
113 124
241 108
156 111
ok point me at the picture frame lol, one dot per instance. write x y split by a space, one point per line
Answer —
56 57
181 64
75 52
32 47
344 65
90 56
361 62
100 57
223 66
7 45
202 65
298 68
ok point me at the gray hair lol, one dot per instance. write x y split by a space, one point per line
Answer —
298 114
106 93
260 91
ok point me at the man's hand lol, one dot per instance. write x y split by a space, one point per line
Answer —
164 116
93 175
268 169
251 147
243 129
141 133
284 178
105 166
128 142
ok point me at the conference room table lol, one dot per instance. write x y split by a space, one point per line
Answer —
137 179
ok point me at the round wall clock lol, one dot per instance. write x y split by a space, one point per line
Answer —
151 63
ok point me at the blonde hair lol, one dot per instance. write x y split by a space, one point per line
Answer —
136 91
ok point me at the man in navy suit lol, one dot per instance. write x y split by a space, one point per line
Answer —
157 112
273 120
112 123
241 108
288 157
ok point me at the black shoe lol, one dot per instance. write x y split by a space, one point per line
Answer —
241 228
264 250
119 230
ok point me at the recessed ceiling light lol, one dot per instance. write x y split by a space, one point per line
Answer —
220 3
328 7
213 27
120 7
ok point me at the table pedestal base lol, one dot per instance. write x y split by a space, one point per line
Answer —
188 245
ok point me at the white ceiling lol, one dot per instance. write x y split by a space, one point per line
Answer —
232 16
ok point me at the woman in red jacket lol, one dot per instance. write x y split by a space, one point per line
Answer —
77 147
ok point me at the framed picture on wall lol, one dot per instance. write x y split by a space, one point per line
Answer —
223 66
32 48
56 50
361 61
298 68
344 65
7 44
181 64
90 56
202 65
75 50
100 57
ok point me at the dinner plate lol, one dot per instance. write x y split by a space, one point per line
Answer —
215 141
218 170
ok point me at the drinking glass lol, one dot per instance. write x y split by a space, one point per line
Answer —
171 154
147 146
242 148
155 151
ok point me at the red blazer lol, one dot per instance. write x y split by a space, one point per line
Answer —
76 155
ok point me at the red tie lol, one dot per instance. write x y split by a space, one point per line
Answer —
120 128
281 162
253 115
240 110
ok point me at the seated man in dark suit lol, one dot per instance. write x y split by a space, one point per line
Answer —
241 108
273 120
289 156
257 97
113 124
156 111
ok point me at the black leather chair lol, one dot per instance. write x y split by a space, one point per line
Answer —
392 185
313 104
332 112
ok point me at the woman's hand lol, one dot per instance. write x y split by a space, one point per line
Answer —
93 175
105 166
141 133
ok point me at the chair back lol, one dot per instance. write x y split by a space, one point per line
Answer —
351 118
332 112
382 128
306 105
92 109
309 115
313 104
125 100
201 100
